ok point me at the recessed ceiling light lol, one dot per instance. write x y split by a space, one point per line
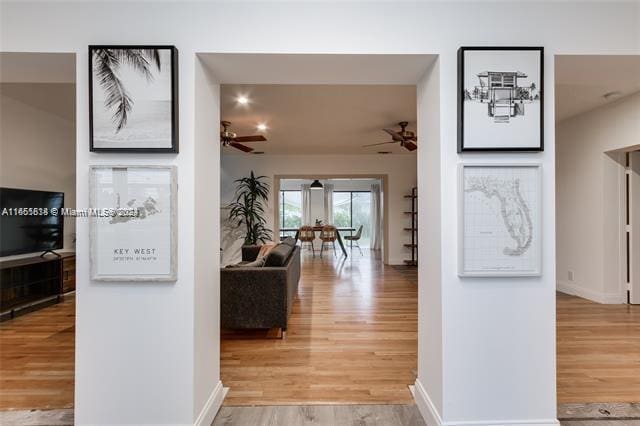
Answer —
262 127
242 100
612 95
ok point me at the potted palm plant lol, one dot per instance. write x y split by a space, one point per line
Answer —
248 208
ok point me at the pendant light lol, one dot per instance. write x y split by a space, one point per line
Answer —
316 185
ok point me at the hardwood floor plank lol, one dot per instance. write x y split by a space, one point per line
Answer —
37 358
337 415
598 351
352 338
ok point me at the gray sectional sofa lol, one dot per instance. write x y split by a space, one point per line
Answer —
261 296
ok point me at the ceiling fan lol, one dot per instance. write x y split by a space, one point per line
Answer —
229 138
406 138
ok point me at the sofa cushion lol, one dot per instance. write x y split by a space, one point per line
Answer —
278 255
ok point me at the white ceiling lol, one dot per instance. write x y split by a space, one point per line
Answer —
582 80
319 119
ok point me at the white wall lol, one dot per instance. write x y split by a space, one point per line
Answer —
38 141
208 393
135 343
429 386
590 199
401 170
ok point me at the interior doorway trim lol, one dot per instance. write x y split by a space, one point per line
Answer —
384 178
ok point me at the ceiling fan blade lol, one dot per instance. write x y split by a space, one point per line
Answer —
255 138
410 145
394 135
376 144
241 147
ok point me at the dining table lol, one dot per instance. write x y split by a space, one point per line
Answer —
318 229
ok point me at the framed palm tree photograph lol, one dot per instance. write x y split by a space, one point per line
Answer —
133 98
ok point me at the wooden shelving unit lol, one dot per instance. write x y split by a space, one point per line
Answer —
35 282
414 227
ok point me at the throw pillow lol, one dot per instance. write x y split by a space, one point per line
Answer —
264 250
258 263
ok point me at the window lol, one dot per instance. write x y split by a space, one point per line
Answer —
352 209
290 211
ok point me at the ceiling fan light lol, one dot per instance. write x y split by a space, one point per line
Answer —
316 184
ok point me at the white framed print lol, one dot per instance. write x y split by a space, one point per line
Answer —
500 220
133 223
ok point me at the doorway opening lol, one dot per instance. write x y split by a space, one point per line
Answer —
322 132
598 217
37 267
353 203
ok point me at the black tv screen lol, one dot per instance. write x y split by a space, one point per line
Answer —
28 231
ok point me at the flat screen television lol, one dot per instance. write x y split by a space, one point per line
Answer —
29 233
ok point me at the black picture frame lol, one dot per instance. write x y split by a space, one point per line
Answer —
461 99
174 149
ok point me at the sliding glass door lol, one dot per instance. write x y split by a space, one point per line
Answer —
351 209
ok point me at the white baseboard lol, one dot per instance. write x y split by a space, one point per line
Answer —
577 290
432 417
211 407
425 406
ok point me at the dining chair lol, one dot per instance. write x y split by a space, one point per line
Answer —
306 234
354 239
328 234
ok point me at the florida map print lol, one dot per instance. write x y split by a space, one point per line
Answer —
501 219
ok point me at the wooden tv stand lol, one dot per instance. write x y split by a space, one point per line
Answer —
32 283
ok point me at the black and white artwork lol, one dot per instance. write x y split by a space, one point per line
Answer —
133 98
500 99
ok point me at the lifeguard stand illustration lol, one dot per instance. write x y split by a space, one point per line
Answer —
505 99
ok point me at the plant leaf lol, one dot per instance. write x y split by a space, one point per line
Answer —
105 65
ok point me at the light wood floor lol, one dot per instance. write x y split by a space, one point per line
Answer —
352 338
351 319
320 415
37 358
598 351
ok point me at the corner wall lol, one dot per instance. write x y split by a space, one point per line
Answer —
429 384
590 197
208 391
